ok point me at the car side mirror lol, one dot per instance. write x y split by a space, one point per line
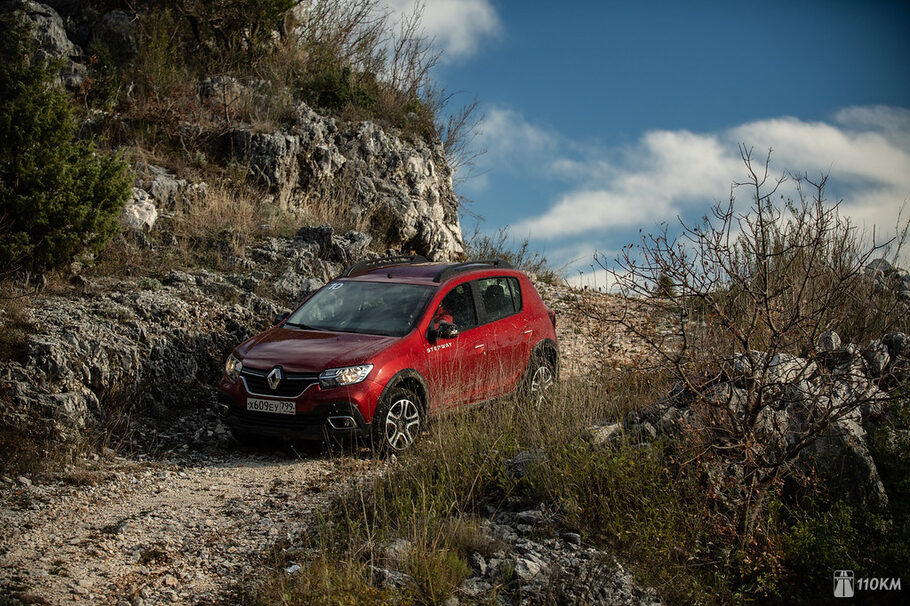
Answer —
279 318
446 330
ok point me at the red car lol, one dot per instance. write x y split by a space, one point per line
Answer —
389 342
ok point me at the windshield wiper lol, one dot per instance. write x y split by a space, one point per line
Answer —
303 326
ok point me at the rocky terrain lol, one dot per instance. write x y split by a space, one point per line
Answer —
177 512
396 189
150 500
533 565
171 509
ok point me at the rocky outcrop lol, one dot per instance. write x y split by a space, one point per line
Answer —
51 40
401 191
136 344
157 344
829 398
167 191
140 213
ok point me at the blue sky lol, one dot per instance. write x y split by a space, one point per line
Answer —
603 118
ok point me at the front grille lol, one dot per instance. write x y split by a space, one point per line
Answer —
300 422
290 386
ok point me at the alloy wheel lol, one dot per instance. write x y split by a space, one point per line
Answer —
541 382
402 424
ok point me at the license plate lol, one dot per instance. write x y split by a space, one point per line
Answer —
282 407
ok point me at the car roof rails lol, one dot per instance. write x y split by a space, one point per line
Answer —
451 270
364 266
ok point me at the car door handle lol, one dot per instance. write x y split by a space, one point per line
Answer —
529 331
480 346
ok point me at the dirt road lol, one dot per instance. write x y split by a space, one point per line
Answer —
183 529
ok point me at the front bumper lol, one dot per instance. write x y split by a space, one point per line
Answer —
337 419
319 414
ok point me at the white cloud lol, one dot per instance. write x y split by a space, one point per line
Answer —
507 136
459 27
672 173
608 193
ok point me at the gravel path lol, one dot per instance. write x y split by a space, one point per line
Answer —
185 530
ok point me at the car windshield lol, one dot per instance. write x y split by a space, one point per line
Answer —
375 308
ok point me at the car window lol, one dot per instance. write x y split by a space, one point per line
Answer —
501 297
458 308
364 307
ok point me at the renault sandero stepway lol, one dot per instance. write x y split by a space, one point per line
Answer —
376 351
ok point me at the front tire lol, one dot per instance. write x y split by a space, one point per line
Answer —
397 422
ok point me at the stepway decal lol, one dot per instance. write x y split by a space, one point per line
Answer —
438 347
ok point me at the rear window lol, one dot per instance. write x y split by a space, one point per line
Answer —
501 297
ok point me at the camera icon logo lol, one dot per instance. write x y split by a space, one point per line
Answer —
843 583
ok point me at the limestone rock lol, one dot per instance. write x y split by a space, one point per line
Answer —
828 341
140 213
52 41
167 190
401 190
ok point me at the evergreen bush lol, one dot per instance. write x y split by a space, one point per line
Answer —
59 195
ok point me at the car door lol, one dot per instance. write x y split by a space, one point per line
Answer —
508 341
454 363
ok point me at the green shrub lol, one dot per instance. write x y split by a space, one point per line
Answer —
58 195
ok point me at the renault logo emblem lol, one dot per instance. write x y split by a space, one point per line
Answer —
274 377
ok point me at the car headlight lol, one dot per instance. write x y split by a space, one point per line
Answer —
336 377
232 367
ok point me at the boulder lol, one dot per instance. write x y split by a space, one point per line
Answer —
221 93
271 158
167 190
828 341
140 213
878 357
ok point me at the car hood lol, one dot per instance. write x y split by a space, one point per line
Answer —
310 350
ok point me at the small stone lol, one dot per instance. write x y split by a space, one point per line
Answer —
24 481
398 550
170 581
603 434
478 564
573 538
828 341
527 569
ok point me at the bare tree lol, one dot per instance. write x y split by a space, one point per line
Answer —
746 298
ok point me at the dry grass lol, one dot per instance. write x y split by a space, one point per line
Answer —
15 325
460 467
223 223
